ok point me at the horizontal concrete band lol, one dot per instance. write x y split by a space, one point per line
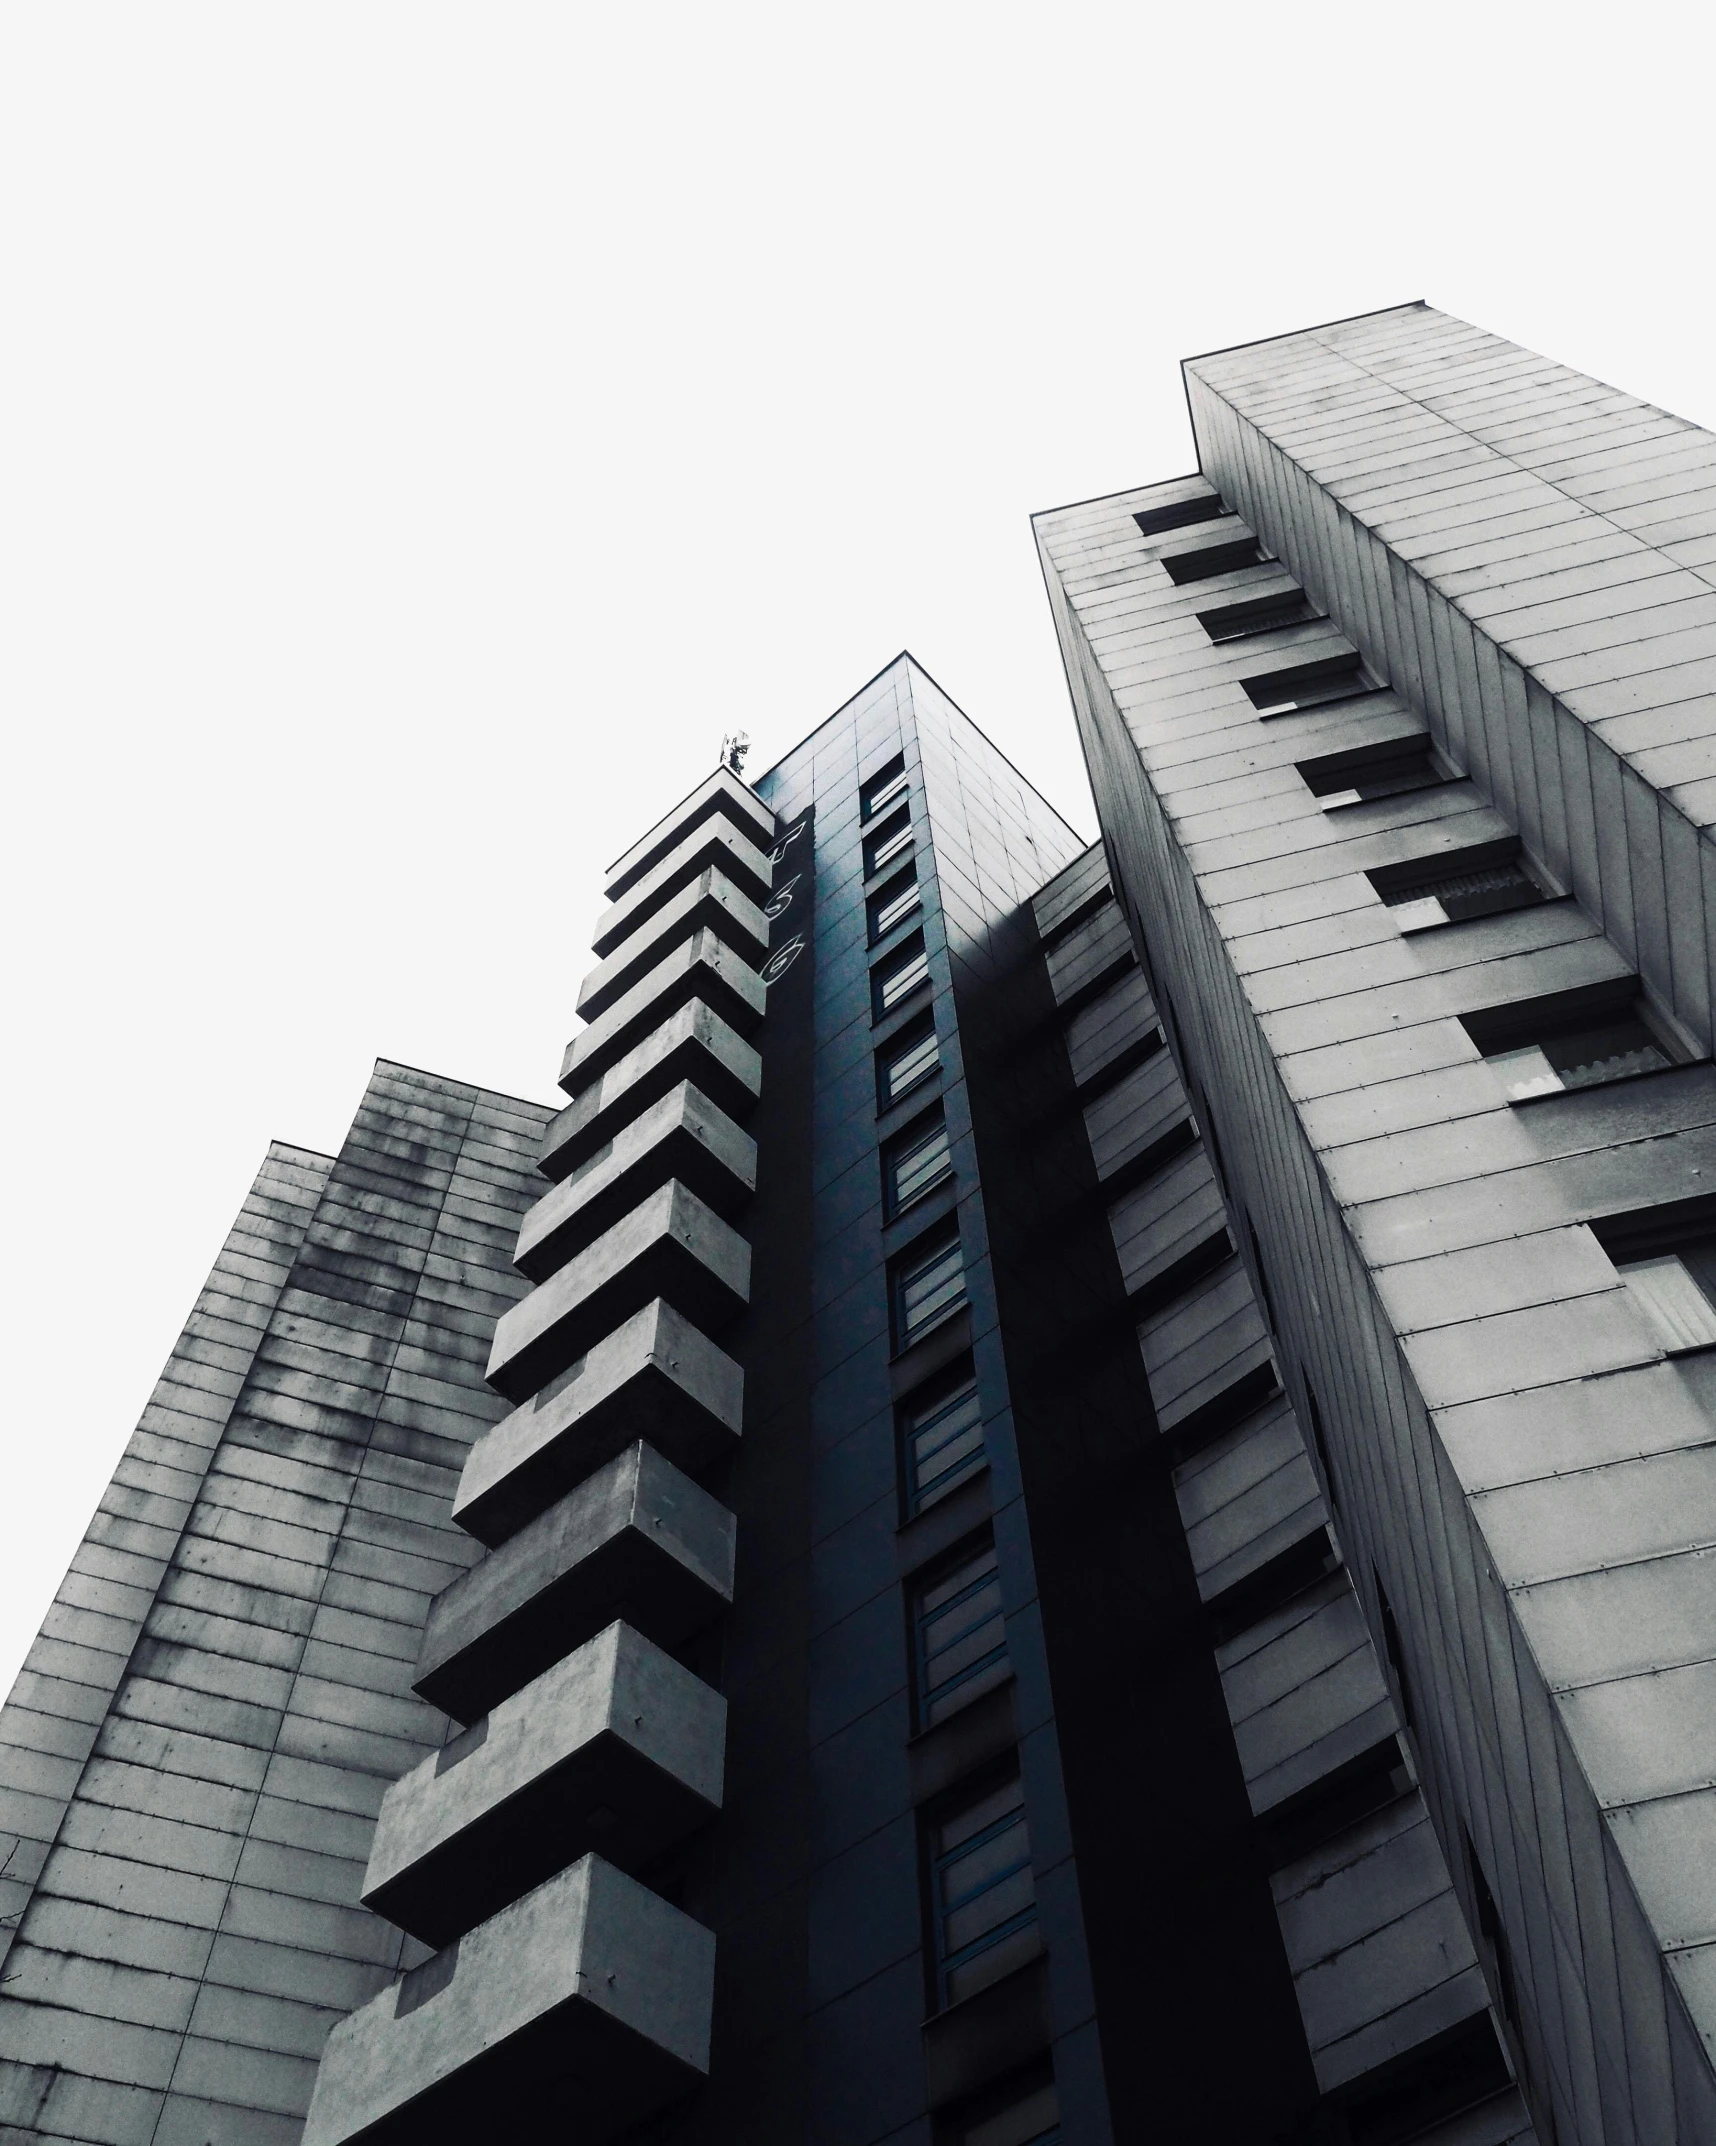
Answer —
637 1539
683 1136
714 842
710 902
671 1245
693 1043
617 1747
588 1999
721 795
701 967
655 1377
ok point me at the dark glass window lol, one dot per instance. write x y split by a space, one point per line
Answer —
895 902
1455 890
959 1638
1308 685
1153 521
1563 1043
941 1437
1373 771
893 839
1262 614
894 980
982 1896
928 1281
909 1059
915 1163
886 787
1212 559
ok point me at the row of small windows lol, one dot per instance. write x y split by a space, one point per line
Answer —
1539 1049
976 1846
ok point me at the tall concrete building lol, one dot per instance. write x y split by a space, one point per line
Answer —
1070 1498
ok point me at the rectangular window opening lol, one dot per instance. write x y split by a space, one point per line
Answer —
941 1439
893 839
1309 685
982 1895
1487 880
928 1283
886 787
908 1060
915 1163
1361 776
892 904
893 981
959 1638
1260 614
1666 1256
1210 560
1154 521
1572 1039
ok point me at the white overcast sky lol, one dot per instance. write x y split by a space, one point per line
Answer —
425 429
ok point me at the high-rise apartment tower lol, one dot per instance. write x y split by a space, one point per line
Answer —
1071 1497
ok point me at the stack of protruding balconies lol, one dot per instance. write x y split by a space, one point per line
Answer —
564 1988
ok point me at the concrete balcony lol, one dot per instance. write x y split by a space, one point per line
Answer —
656 1377
719 796
616 1749
710 903
638 1540
716 842
577 2012
683 1136
692 1044
671 1245
702 967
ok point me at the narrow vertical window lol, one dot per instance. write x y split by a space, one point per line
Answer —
894 838
941 1439
908 1060
959 1637
914 1163
928 1282
890 906
886 787
892 982
982 1895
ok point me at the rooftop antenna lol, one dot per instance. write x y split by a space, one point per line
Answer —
734 746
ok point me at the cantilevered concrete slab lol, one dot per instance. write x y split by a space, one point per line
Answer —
710 902
616 1747
655 1377
670 1245
638 1540
694 1044
716 842
719 796
684 1136
704 967
575 2013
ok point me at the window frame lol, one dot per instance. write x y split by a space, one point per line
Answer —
914 1034
888 896
926 1409
912 1263
912 954
895 837
918 1133
879 790
947 1960
978 1562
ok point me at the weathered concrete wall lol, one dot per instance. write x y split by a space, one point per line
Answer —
195 1753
